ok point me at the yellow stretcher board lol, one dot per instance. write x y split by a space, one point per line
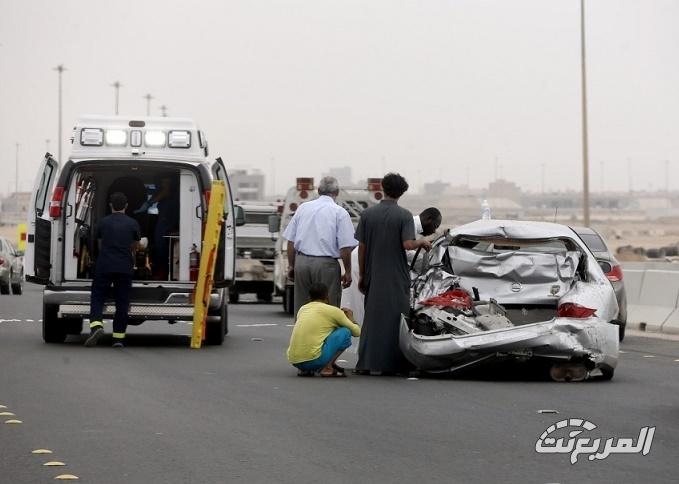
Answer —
208 258
21 237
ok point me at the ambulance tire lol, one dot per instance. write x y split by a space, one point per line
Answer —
289 300
234 297
53 329
73 325
216 330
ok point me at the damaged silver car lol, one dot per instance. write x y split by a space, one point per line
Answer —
512 289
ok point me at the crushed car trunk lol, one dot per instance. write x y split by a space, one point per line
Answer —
487 297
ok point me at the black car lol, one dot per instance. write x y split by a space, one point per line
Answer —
595 243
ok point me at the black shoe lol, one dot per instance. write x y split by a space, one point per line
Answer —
94 336
118 344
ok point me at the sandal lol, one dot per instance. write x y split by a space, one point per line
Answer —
305 373
334 374
338 368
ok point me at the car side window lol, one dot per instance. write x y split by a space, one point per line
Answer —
41 195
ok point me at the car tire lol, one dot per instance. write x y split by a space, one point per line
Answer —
289 300
6 288
18 288
53 331
234 297
621 331
264 297
607 373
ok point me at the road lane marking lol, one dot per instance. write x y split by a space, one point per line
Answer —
67 477
256 325
41 451
54 463
649 356
13 422
7 414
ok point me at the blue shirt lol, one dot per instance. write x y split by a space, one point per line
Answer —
321 228
117 233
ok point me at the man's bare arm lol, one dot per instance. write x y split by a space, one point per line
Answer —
291 259
416 244
345 254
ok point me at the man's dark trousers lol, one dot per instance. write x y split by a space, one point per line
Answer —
122 282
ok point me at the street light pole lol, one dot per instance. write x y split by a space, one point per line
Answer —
117 85
585 141
148 98
60 69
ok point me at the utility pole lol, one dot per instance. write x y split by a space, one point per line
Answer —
148 98
117 85
585 141
16 170
163 111
60 69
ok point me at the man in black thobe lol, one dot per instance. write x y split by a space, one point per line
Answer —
384 233
118 236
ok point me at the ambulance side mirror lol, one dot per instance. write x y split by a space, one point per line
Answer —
240 216
274 223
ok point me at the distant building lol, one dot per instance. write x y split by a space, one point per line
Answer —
343 175
247 185
504 189
435 189
14 208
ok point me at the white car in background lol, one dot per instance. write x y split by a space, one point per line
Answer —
511 289
11 268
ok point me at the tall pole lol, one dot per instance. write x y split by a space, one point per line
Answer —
117 85
585 143
60 69
16 170
148 98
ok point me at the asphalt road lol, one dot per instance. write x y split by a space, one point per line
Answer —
159 412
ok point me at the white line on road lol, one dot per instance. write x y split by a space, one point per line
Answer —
649 356
256 325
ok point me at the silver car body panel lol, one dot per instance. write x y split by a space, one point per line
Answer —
516 278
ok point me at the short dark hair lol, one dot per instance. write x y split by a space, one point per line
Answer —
318 291
394 185
118 201
431 213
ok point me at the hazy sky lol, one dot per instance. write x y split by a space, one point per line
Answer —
429 88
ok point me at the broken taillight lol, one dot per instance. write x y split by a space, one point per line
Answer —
572 310
206 193
55 204
615 275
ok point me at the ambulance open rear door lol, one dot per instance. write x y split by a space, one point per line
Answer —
225 272
42 208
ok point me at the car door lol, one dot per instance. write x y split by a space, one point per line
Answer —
225 273
37 263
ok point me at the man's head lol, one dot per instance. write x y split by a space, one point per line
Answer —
328 186
118 202
430 218
318 292
394 185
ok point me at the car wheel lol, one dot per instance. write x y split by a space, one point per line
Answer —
264 297
621 332
234 297
607 373
18 287
5 288
52 329
289 300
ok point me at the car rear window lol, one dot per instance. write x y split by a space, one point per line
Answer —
594 242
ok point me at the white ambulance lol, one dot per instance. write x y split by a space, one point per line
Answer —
354 199
133 156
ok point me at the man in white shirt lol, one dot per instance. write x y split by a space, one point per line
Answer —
426 223
318 235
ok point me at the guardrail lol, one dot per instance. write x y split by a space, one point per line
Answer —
652 296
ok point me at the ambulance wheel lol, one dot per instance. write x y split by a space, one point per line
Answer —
73 325
53 331
265 296
234 297
289 300
216 330
607 373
